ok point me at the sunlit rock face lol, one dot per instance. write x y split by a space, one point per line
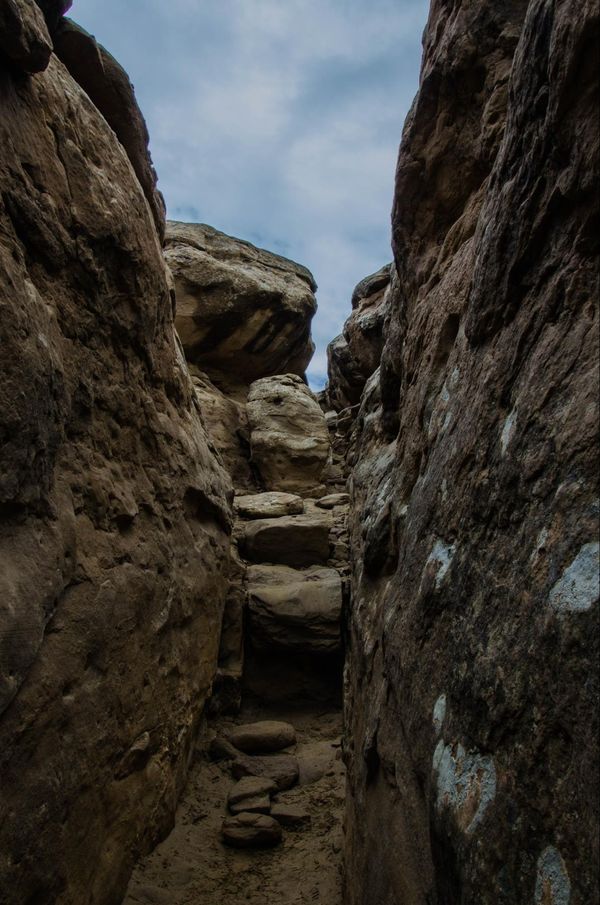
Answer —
242 313
114 512
472 678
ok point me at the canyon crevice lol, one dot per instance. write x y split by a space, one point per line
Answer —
234 611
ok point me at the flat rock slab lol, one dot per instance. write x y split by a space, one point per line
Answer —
293 540
283 769
268 505
251 831
259 804
250 787
333 499
290 815
295 610
263 737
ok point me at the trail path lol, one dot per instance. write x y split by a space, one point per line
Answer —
193 867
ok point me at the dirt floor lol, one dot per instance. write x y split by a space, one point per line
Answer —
193 867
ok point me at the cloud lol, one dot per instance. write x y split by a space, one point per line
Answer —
276 122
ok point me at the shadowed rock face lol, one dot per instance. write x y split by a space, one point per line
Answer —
114 513
472 696
242 313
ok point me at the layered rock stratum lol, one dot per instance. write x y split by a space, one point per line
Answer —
472 679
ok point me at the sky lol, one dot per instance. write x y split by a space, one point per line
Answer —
276 121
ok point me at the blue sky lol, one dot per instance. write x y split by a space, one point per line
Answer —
277 121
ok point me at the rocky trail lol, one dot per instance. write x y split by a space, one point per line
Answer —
262 813
194 867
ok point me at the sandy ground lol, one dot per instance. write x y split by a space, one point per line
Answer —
193 867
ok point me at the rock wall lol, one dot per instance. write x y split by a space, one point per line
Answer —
472 679
114 510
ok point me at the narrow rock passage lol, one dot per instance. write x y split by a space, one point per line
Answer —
193 866
279 838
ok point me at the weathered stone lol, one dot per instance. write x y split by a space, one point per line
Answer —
288 434
281 768
250 787
294 540
294 610
262 737
114 513
289 815
24 37
255 804
268 505
108 86
242 313
251 831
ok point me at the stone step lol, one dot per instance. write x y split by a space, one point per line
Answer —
294 610
293 540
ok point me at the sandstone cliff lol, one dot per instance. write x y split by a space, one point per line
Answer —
472 681
114 511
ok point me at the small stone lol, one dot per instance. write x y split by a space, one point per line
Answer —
283 769
268 505
290 815
258 804
250 787
251 831
264 736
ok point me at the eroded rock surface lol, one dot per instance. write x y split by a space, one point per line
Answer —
114 512
472 696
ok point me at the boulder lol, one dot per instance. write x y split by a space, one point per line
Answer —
288 434
24 37
294 540
268 505
251 831
242 312
262 737
294 610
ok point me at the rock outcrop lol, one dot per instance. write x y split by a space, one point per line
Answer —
114 511
472 680
242 313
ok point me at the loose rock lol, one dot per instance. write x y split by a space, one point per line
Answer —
251 831
250 787
264 736
268 505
